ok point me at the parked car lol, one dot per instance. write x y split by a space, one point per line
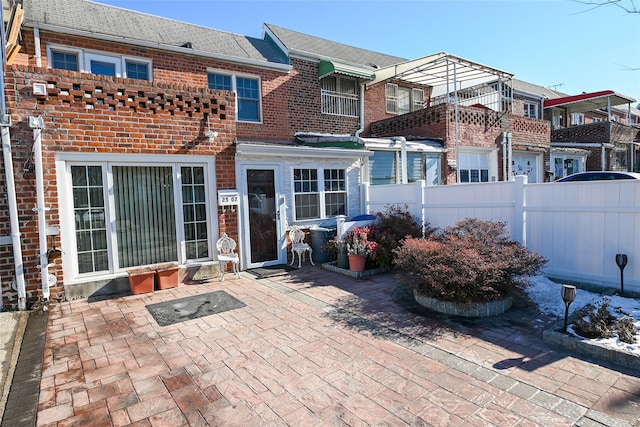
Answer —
599 176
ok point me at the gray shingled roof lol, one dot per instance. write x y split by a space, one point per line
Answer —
326 49
100 19
536 89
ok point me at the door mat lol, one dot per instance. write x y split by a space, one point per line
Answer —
271 270
175 311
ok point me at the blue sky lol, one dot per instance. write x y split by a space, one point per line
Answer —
565 45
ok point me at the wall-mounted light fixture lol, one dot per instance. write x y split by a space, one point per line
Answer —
209 133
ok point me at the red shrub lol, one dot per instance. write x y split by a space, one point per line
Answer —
472 261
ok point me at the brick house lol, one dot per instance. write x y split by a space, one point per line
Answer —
138 123
590 131
129 131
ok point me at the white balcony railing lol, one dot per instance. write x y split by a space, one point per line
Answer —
340 104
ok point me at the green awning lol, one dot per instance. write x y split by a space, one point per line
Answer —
327 68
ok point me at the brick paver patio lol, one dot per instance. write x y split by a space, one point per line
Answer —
315 348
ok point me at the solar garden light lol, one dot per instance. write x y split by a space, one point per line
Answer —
568 296
621 260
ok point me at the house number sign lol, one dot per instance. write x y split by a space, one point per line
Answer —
228 198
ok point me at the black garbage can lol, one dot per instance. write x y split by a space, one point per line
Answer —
319 237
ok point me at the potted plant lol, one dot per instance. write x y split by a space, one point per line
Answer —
337 248
167 275
141 280
359 247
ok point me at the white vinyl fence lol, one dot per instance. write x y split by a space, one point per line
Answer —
578 226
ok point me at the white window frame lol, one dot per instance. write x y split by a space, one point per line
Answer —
577 119
234 86
64 161
322 191
392 98
491 156
85 57
345 103
581 159
64 49
557 118
531 109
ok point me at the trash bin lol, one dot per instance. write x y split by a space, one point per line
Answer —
319 237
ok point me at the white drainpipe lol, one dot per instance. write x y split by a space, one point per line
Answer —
37 123
5 123
359 131
36 40
504 157
13 209
510 159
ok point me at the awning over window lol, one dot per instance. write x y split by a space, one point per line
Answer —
327 68
589 101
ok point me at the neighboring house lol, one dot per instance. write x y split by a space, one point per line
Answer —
487 133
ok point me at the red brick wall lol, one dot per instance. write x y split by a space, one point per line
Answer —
99 114
290 100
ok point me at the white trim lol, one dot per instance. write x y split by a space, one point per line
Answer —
85 56
244 237
322 192
271 150
176 49
64 161
234 86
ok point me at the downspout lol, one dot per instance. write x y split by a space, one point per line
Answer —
510 159
5 123
36 40
504 156
37 124
404 175
359 131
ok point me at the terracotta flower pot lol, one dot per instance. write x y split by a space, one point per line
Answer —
357 262
141 280
167 276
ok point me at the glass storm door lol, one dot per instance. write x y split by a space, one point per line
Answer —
263 220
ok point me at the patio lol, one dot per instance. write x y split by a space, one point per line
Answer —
314 347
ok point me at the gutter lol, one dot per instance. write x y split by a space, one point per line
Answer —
285 68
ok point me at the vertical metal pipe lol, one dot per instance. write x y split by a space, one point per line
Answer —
455 88
11 187
42 220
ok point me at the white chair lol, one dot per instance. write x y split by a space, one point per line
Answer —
298 246
226 253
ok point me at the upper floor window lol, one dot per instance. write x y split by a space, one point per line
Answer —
99 63
401 100
65 61
577 119
340 96
315 199
531 109
247 90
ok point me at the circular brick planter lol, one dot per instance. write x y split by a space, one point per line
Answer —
476 309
